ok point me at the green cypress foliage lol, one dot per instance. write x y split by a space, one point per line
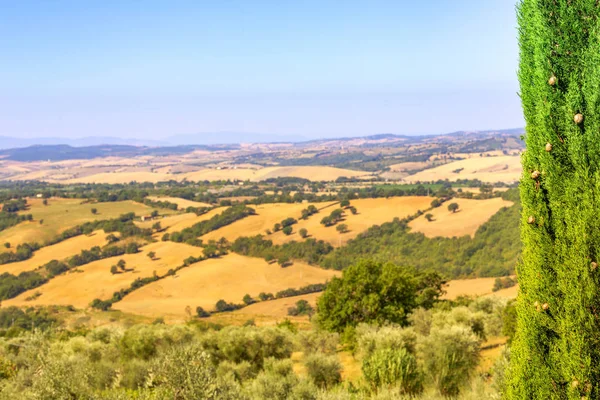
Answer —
556 351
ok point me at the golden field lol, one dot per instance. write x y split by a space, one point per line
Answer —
59 251
110 175
370 212
278 308
62 214
94 280
477 287
486 169
181 203
229 278
266 216
179 222
469 217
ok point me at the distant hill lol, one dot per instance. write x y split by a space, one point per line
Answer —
57 149
65 152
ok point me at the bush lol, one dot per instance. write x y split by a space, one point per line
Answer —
287 230
324 371
370 338
302 307
303 233
313 341
248 299
450 356
201 313
393 367
174 369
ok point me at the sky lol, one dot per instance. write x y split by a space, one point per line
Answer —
154 69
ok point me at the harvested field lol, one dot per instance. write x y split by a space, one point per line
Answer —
123 177
88 282
228 278
181 203
278 308
410 166
59 251
182 221
370 212
266 216
486 169
476 287
469 217
62 214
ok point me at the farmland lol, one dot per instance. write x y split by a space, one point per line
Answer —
469 217
369 212
59 251
228 278
95 280
61 214
267 215
486 169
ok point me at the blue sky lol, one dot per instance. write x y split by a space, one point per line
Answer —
152 69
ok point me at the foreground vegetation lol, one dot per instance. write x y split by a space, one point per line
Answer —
433 353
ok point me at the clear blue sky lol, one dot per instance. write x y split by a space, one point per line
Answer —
151 69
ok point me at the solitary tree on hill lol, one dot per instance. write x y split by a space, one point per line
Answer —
429 217
556 350
453 207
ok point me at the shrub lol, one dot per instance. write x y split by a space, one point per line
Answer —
248 299
287 230
201 313
302 308
174 369
324 371
370 338
303 233
450 356
393 367
313 341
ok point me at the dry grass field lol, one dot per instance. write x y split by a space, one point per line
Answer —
409 166
277 309
228 278
112 174
370 212
266 216
59 251
179 222
181 203
61 214
476 287
486 169
469 217
122 177
94 280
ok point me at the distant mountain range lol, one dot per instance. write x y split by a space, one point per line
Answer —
216 138
7 142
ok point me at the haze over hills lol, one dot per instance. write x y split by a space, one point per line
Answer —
215 138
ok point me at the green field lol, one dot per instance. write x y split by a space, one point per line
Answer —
61 214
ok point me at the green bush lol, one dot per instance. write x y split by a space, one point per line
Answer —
393 367
449 356
325 371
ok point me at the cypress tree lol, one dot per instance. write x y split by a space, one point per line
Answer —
556 351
